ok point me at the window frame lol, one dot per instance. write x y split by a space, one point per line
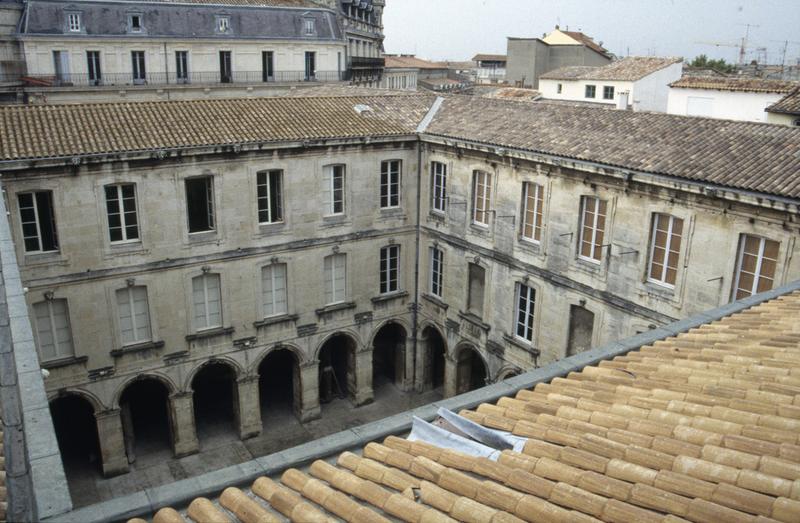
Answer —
389 269
51 320
439 187
271 268
559 88
74 23
590 88
210 204
133 28
390 184
130 290
123 213
537 227
223 25
757 274
663 280
331 173
608 92
485 199
436 272
594 229
205 278
528 314
309 26
331 285
273 216
38 222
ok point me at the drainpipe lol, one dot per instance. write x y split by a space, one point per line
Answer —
415 312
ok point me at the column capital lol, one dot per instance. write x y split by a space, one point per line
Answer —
309 365
107 413
180 395
245 380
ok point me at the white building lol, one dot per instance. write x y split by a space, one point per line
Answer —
786 111
490 68
401 73
638 82
744 99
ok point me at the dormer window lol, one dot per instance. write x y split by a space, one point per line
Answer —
223 24
135 23
309 26
74 22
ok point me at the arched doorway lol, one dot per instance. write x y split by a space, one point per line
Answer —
470 370
388 357
337 369
433 364
144 406
279 386
216 405
76 433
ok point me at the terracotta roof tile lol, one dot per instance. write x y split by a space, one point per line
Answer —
587 41
789 104
412 62
621 441
631 68
754 85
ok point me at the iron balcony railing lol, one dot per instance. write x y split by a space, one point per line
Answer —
161 78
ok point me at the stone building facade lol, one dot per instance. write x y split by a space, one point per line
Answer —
331 244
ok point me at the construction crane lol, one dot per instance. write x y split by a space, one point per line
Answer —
743 47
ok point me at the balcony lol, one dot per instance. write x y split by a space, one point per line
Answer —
363 62
194 78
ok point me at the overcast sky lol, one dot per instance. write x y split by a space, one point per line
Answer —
458 29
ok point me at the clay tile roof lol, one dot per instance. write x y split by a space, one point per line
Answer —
412 62
587 41
631 68
703 426
73 130
753 85
750 156
489 58
789 104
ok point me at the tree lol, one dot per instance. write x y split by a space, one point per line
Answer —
704 62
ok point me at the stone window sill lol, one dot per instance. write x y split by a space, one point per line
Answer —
335 220
436 301
513 340
45 258
274 320
480 229
389 296
210 333
268 229
475 320
530 245
328 309
196 238
65 362
139 347
437 216
392 212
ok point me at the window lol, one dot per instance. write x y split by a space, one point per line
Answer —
335 278
225 67
390 184
526 301
477 278
334 189
223 24
593 223
200 204
665 249
267 66
134 315
532 211
390 268
182 66
591 90
560 88
74 22
439 190
93 67
207 300
53 331
123 224
755 266
308 24
38 221
270 201
481 197
437 271
135 23
139 69
608 92
273 285
61 66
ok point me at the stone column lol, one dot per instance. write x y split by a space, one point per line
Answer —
406 348
363 393
112 442
308 402
420 370
450 377
249 407
184 433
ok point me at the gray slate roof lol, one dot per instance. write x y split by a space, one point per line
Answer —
172 20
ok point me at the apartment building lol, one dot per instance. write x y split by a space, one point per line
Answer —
306 249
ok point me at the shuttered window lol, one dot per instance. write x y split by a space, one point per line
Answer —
207 300
665 249
439 186
437 271
134 315
593 225
482 196
390 268
526 301
532 211
273 280
756 264
335 278
53 330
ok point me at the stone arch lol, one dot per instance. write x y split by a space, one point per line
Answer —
280 383
341 332
148 423
432 357
508 372
472 368
397 321
217 360
172 388
299 354
94 401
75 425
215 398
390 355
337 359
